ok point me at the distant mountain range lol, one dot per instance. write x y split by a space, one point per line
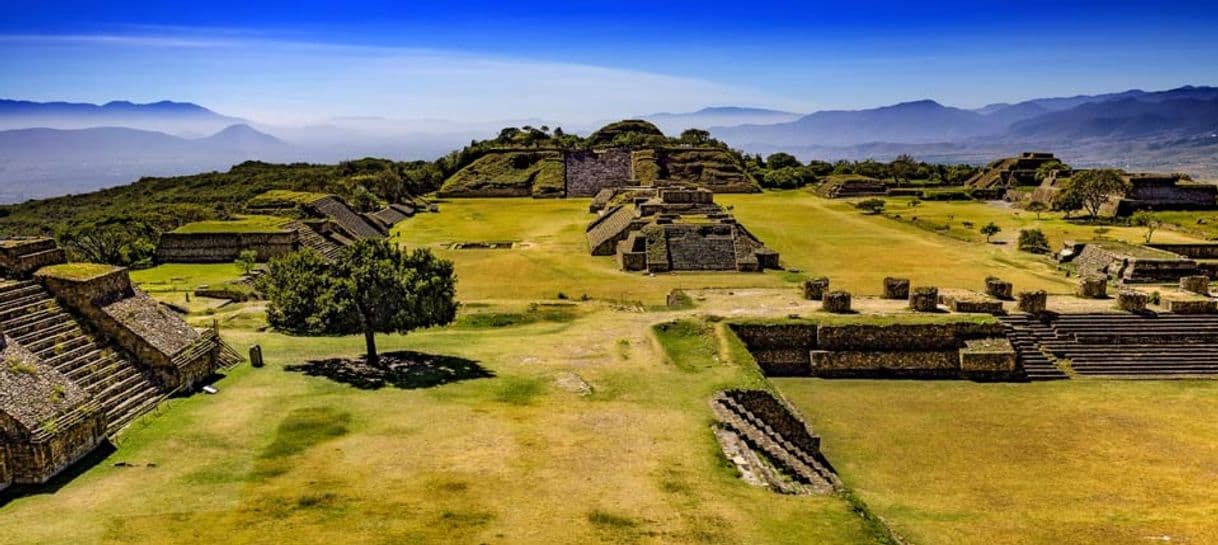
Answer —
182 118
54 148
721 116
44 162
1175 129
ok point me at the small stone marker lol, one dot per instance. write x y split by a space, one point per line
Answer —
1196 284
924 299
896 288
837 302
998 288
1132 301
256 355
1033 302
1092 287
814 290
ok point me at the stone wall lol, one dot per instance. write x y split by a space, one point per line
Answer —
222 247
780 350
1191 251
588 172
35 462
694 247
984 359
6 477
21 257
904 364
894 337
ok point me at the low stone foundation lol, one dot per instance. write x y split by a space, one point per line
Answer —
988 359
222 247
1193 306
970 302
1196 284
909 364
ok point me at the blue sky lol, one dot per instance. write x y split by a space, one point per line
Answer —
575 61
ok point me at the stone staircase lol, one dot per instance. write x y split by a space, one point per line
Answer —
312 239
1127 345
807 470
32 318
1026 334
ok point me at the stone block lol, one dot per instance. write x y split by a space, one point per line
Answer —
837 302
814 290
1196 284
256 355
896 288
1092 287
1193 306
1132 301
998 288
1032 302
924 299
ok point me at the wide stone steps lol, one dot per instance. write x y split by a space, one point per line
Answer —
804 467
312 239
32 318
1121 345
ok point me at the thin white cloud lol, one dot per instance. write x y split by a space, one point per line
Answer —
290 81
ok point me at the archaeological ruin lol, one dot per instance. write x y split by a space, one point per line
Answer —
1010 172
322 222
675 229
85 354
1130 264
1144 191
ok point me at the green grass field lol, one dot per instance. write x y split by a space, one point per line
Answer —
514 458
1079 462
813 235
239 224
494 444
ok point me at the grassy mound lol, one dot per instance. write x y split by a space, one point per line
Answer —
241 224
513 173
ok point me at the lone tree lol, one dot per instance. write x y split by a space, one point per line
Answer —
1145 219
871 206
1093 187
246 261
372 287
1033 241
1036 207
781 160
989 230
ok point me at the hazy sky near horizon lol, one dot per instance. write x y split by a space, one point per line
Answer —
578 62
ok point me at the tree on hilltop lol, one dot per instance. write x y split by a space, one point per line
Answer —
373 287
781 160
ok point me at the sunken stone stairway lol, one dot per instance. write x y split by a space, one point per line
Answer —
804 468
1121 345
30 316
1026 334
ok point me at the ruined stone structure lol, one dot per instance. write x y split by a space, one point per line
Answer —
589 172
934 350
998 288
1132 301
845 187
556 172
1127 263
1010 172
1145 191
223 247
1116 344
1199 284
677 230
328 225
970 302
1092 287
753 424
90 354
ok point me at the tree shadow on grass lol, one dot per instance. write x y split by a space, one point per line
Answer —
406 370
